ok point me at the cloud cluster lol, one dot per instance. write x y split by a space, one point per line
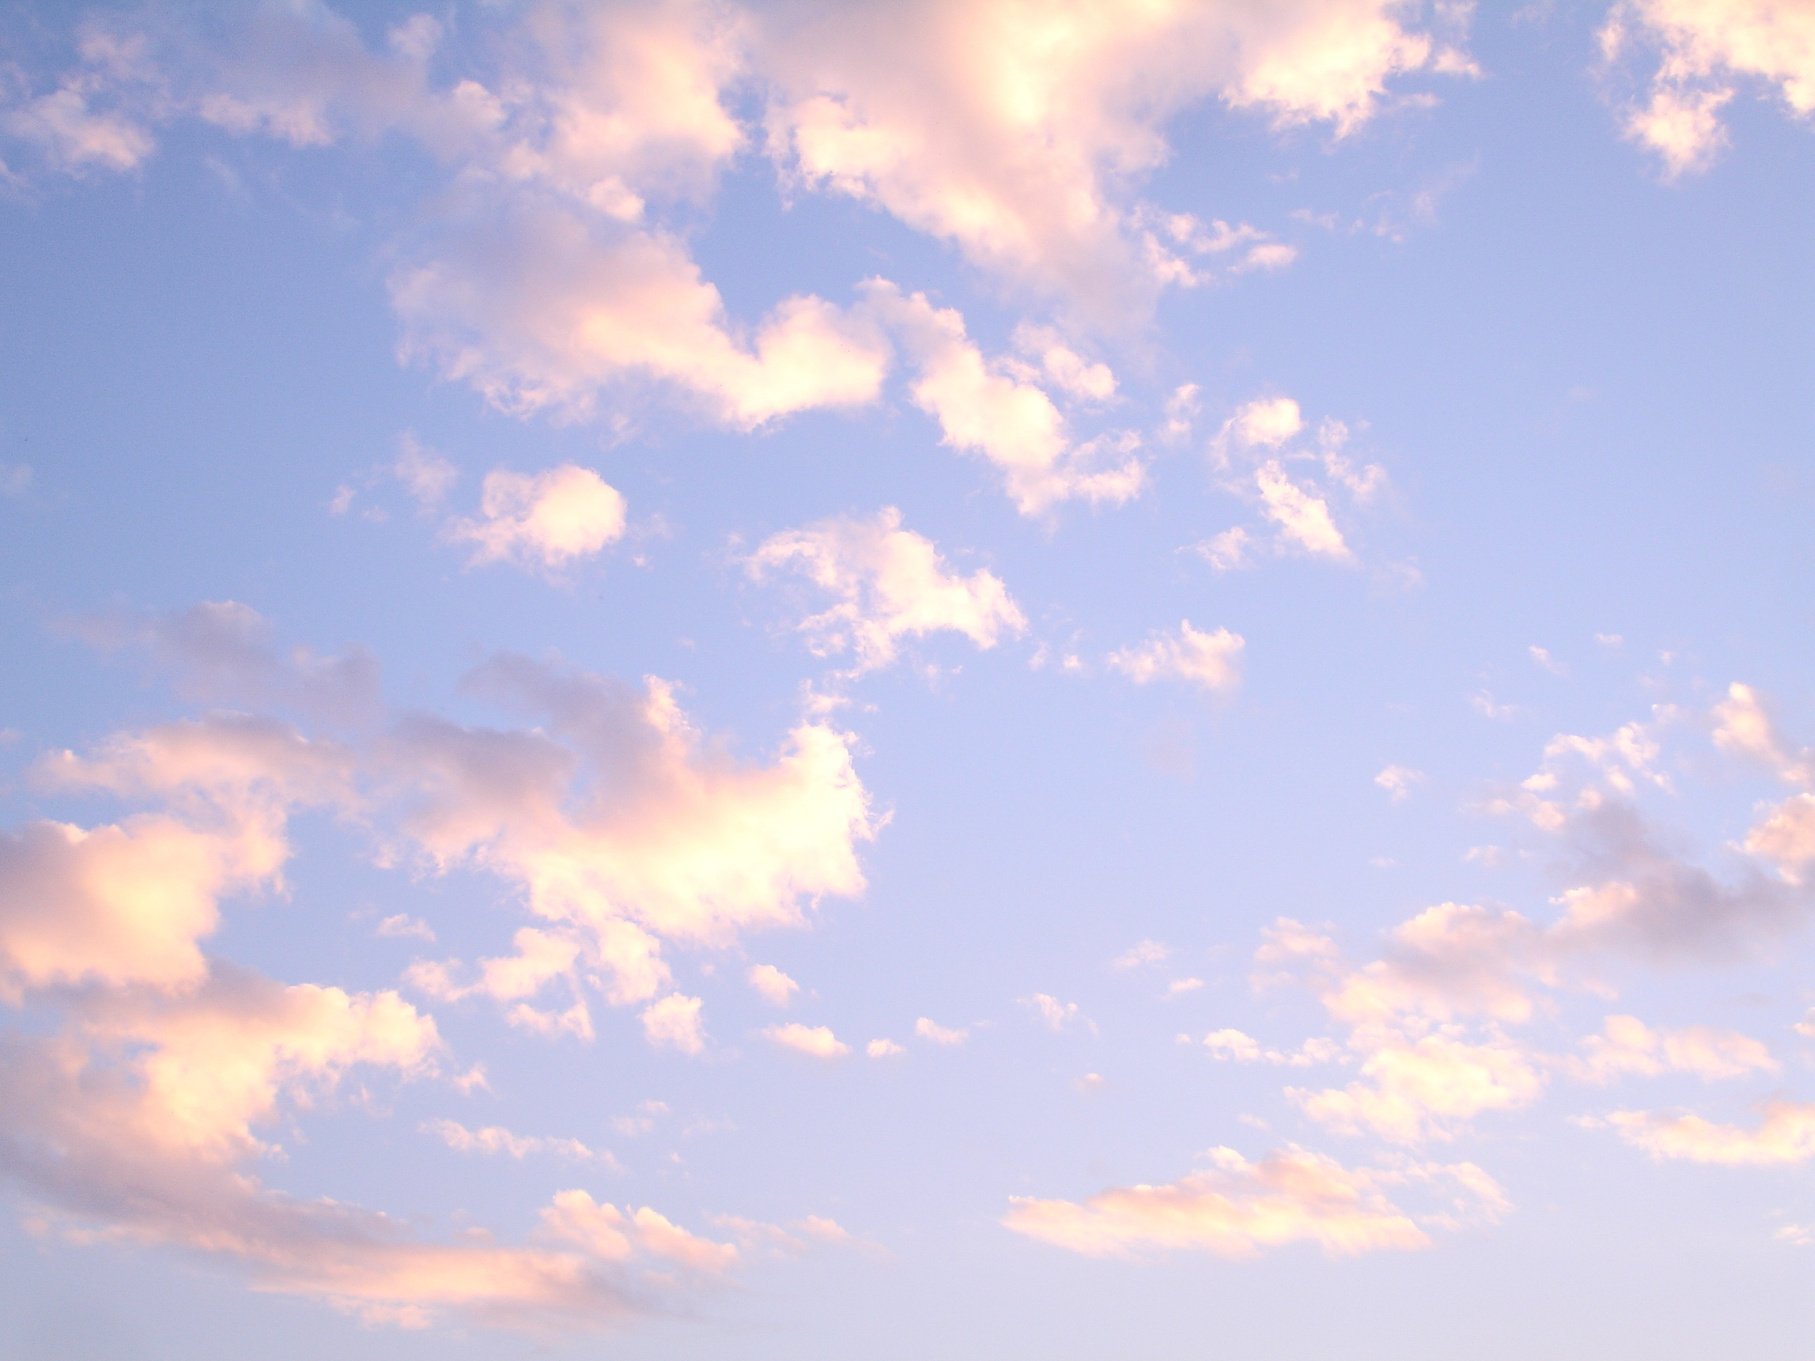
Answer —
1706 52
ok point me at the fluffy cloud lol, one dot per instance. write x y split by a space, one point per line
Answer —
667 839
1237 1208
543 519
1012 130
674 1021
1259 456
545 310
815 1040
889 583
1210 661
1786 1134
122 903
1706 51
495 1139
1416 1089
772 985
996 410
1627 1045
931 1030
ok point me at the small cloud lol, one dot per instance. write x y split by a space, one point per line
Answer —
817 1041
1209 660
1542 657
674 1022
1054 1014
1178 987
1398 781
1142 954
772 985
883 1049
402 926
931 1030
1487 706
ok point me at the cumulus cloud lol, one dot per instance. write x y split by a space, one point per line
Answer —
1210 661
888 583
996 410
495 1139
1237 1046
1706 52
674 1021
883 1049
772 985
1013 132
948 1036
1398 781
1785 1134
1237 1208
225 652
543 520
1411 1090
548 311
818 1041
1627 1045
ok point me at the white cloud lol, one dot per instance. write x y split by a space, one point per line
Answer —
815 1040
1412 1090
1013 132
547 311
1210 661
1054 1014
938 1034
889 583
1237 1208
543 520
1627 1045
772 985
1236 1046
994 409
495 1139
883 1049
1785 1135
1706 51
674 1022
1398 781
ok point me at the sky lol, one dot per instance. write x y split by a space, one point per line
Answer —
907 679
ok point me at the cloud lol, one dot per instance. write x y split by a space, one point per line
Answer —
815 1040
938 1034
121 903
674 1022
223 652
1785 1135
1210 661
772 985
1237 1046
544 310
543 520
1627 1045
1237 1208
425 474
667 839
996 410
1398 781
1055 1015
495 1139
883 1049
1706 51
1259 456
1412 1090
1016 133
889 583
1142 954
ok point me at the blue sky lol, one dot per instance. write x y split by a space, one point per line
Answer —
912 679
